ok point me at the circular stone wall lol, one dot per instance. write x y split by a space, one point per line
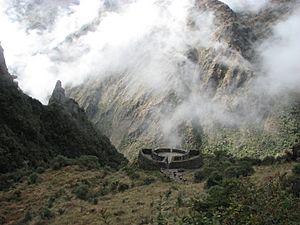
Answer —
169 158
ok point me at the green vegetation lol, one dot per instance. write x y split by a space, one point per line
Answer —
82 191
46 214
223 165
32 179
296 169
101 196
231 197
271 137
235 201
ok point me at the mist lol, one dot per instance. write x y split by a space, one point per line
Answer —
246 5
280 55
148 40
97 38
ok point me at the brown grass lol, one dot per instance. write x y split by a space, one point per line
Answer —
137 205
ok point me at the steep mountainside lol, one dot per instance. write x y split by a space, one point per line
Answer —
31 134
232 115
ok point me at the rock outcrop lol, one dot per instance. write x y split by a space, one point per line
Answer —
31 134
58 95
3 68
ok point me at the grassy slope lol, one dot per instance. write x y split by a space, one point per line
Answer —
137 205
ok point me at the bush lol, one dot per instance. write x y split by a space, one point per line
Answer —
88 162
217 196
269 160
16 195
60 161
46 214
215 178
82 192
203 173
27 218
40 169
123 187
149 180
114 186
239 171
199 176
239 201
292 184
131 172
32 179
296 169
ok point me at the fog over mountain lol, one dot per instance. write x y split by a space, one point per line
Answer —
159 63
246 5
119 35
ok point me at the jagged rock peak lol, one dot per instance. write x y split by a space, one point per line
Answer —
58 94
59 97
3 68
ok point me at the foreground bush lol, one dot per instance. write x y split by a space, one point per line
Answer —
82 191
223 165
292 185
88 162
32 179
238 202
296 169
203 173
243 170
60 161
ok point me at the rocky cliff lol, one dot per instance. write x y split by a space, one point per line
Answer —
233 117
31 134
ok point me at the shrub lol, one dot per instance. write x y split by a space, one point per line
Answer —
237 201
179 200
296 169
40 169
239 171
292 184
88 162
60 161
149 180
269 160
199 176
130 171
217 196
95 201
16 195
203 173
46 214
25 220
51 201
215 178
32 179
123 187
82 192
114 186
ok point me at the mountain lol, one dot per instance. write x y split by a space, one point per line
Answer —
218 108
31 134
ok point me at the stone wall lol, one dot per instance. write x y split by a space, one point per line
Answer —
150 159
146 162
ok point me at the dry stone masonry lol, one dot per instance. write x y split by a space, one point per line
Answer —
168 158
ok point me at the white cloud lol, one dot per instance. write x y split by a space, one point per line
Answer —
146 38
280 54
246 5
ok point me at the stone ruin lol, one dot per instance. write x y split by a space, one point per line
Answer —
169 158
